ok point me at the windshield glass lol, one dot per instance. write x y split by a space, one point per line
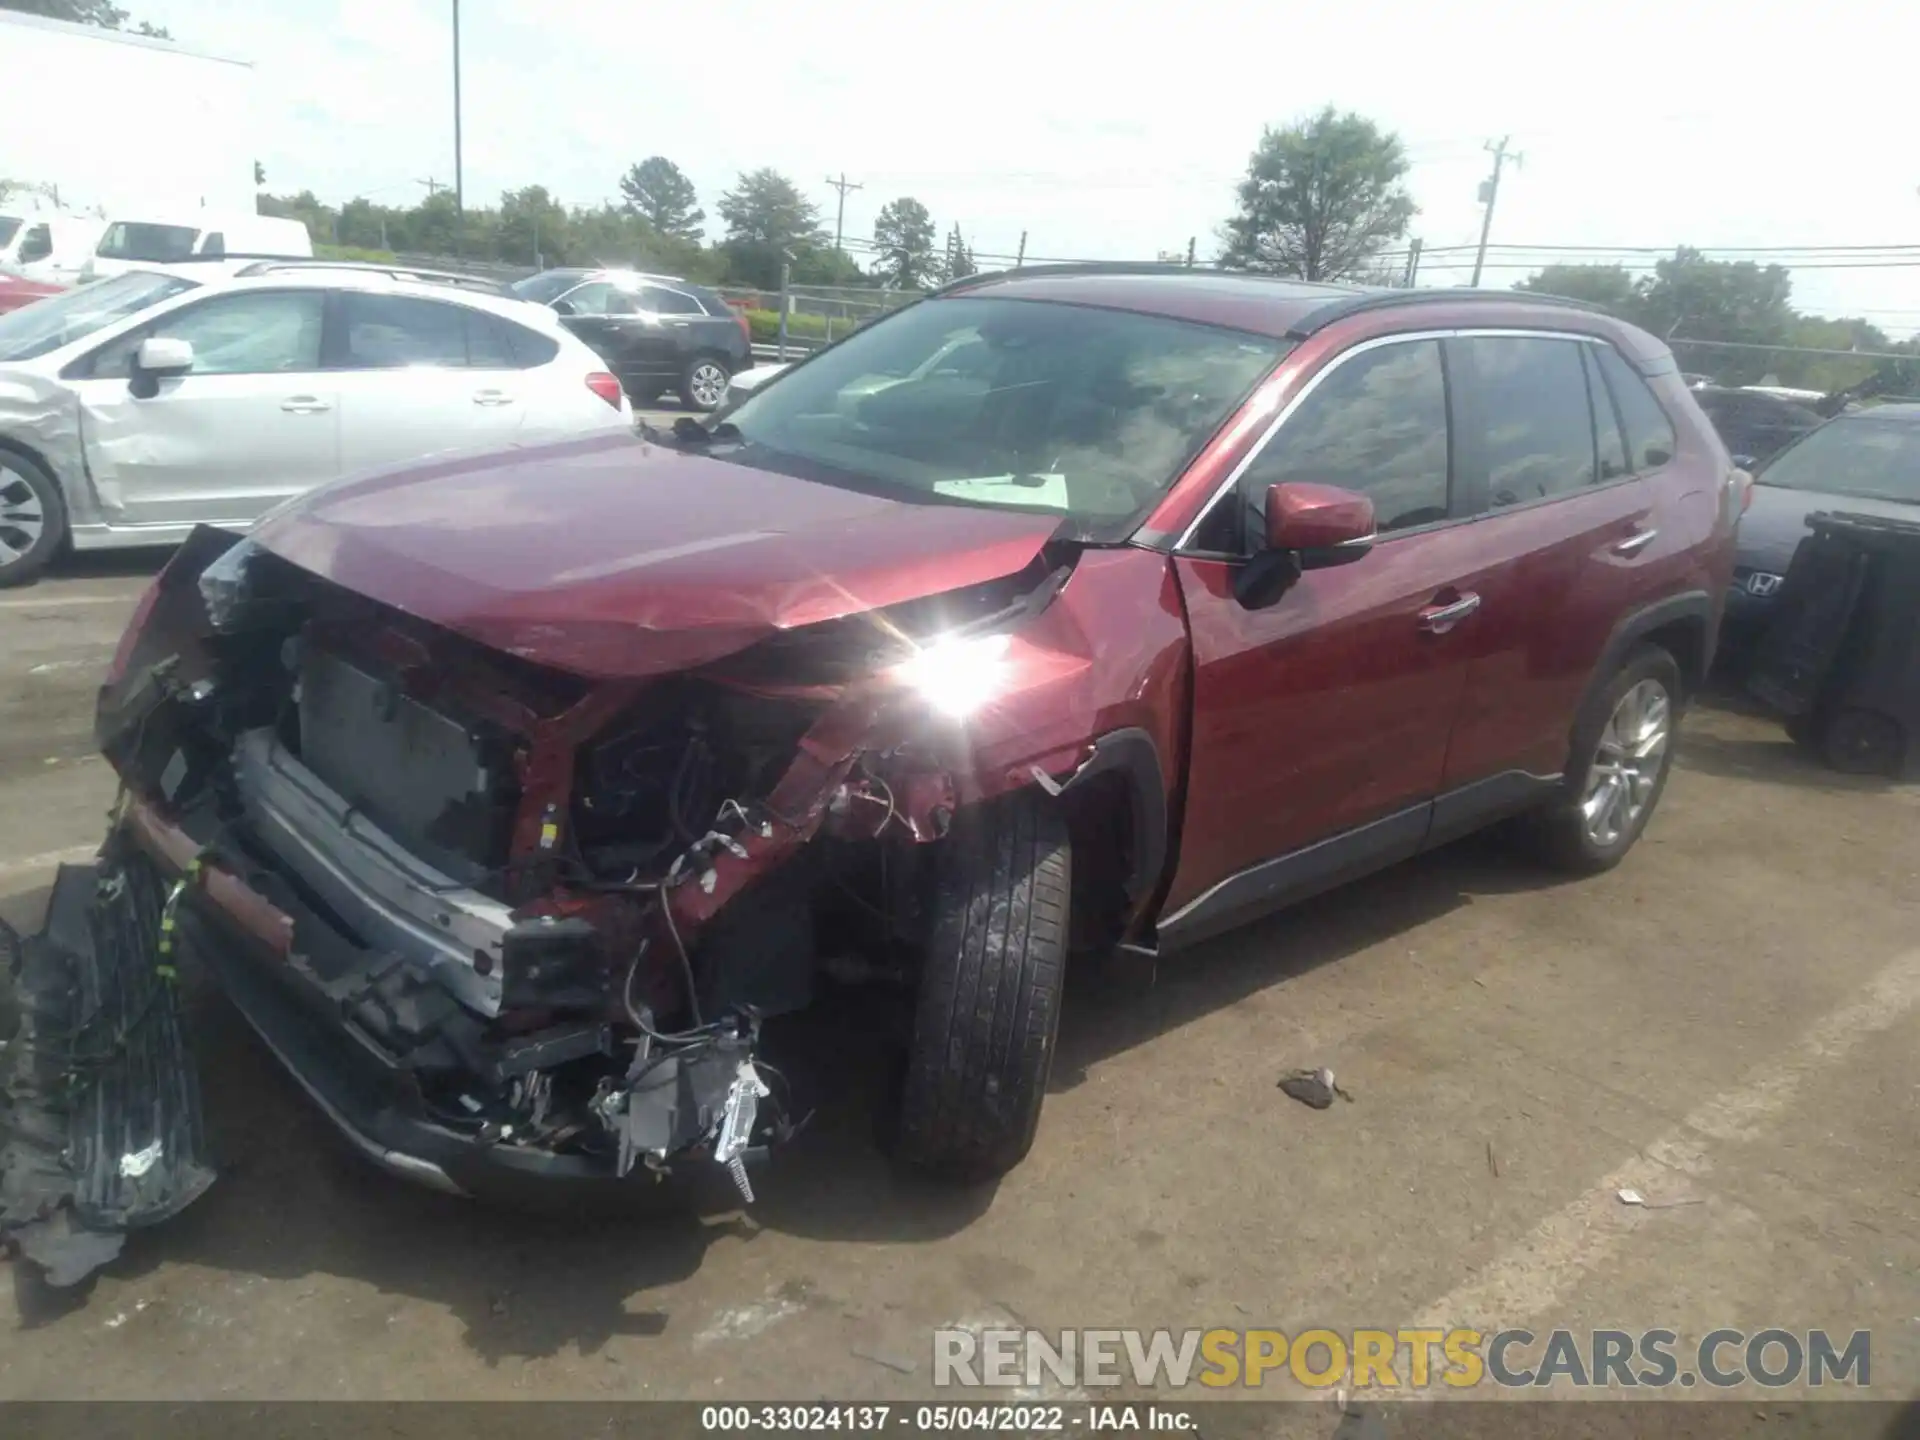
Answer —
1087 413
60 320
136 240
9 227
542 289
1856 455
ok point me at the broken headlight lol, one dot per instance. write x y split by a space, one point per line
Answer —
223 585
956 675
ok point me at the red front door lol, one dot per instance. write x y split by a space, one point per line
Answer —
1332 708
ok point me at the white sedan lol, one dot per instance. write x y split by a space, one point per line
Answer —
135 408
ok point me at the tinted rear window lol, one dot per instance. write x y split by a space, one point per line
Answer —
715 305
1650 442
1538 436
530 348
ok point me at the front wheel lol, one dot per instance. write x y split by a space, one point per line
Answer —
703 384
1621 754
33 519
989 1000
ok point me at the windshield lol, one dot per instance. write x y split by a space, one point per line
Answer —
1857 455
543 289
60 320
9 227
1087 413
136 240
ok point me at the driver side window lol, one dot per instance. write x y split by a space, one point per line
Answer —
1376 425
259 332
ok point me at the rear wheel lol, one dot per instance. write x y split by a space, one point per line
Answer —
1622 752
33 519
989 1000
1864 742
703 384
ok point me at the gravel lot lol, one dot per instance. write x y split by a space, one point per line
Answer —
1729 1019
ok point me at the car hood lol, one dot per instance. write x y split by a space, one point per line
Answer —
1776 522
618 557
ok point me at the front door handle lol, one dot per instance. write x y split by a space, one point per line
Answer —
1439 619
305 405
1636 542
492 397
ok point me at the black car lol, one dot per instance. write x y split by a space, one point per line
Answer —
1754 425
658 333
1866 462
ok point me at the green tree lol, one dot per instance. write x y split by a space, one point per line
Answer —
903 234
320 219
533 229
1608 286
1321 200
84 12
656 190
767 220
959 262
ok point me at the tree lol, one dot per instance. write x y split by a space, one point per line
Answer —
903 234
1321 200
959 258
103 13
768 221
1608 286
534 228
657 190
259 175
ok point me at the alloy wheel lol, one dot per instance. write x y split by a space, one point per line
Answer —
23 518
708 382
1626 766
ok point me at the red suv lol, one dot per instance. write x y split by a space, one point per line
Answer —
1069 609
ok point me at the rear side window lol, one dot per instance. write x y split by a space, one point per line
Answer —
715 305
1650 442
1377 424
36 244
656 301
389 332
529 347
1608 440
1536 427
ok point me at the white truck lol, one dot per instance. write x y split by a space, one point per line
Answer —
104 124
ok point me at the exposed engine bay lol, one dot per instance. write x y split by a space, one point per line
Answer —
551 912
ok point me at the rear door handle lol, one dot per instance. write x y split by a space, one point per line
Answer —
1637 541
1439 619
492 397
305 405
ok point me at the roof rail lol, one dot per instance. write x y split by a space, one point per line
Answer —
1124 267
481 283
1362 301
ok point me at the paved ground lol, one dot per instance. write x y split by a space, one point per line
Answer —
1729 1019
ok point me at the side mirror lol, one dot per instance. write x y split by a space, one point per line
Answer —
1321 525
162 355
1744 462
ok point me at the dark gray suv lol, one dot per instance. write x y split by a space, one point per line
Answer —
658 333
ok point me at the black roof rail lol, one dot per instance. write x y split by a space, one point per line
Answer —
1363 301
269 265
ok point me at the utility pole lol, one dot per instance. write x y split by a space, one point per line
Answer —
434 187
1190 240
1489 196
1021 258
840 211
459 192
1413 262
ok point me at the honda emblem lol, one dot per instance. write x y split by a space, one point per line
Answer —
1761 584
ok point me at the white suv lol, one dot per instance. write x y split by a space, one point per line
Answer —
135 408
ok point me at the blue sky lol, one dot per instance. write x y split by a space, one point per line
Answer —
1114 132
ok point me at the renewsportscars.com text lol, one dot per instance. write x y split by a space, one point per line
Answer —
1401 1359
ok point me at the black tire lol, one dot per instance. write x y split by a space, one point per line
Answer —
1561 829
989 1001
696 389
1864 742
27 488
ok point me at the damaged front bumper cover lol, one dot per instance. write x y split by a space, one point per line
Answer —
341 1018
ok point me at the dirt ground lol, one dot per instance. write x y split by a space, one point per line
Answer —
1728 1020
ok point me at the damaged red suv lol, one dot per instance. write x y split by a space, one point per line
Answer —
1066 610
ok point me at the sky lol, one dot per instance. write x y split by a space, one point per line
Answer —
1108 131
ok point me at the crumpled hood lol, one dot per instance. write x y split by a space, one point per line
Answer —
1776 522
617 557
